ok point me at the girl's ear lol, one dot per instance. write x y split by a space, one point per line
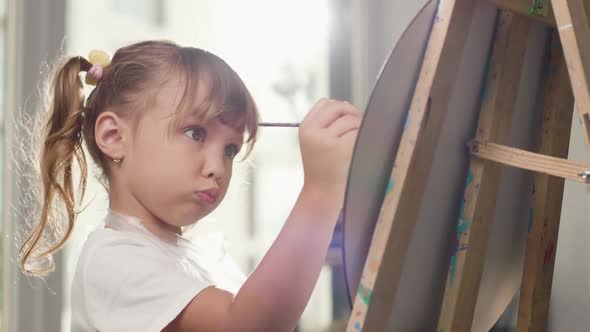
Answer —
110 132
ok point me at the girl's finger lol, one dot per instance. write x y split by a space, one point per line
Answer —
344 124
315 109
334 110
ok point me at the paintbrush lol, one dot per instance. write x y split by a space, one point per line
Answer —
278 124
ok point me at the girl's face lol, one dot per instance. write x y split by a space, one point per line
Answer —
179 174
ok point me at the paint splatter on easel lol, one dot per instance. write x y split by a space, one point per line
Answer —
407 123
438 10
549 256
462 228
365 294
490 76
390 186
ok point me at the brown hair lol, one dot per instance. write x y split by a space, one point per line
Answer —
70 122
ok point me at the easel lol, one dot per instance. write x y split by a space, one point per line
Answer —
381 275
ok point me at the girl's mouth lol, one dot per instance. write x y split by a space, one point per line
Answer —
208 196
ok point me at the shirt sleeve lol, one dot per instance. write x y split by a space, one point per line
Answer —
137 288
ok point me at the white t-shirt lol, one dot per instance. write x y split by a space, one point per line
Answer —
128 279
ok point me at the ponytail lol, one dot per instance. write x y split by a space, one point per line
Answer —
61 144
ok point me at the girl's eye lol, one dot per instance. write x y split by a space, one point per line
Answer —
197 133
231 151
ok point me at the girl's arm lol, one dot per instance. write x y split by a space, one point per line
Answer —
276 293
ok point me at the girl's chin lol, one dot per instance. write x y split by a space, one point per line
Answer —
192 218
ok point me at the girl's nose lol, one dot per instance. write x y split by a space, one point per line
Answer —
213 165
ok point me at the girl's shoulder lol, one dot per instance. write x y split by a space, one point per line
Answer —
129 281
133 254
119 243
110 254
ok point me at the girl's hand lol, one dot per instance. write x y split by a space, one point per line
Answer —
327 136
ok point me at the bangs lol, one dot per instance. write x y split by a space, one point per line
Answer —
226 99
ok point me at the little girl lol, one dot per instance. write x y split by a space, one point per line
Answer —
164 124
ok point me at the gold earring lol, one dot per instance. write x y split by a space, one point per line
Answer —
117 160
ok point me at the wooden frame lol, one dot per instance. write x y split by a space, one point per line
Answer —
495 121
523 7
397 218
558 103
400 208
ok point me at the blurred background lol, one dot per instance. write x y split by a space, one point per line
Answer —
289 53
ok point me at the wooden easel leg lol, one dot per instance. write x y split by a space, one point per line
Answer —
477 212
399 212
558 103
574 31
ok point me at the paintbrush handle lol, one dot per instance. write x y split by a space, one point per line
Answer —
278 124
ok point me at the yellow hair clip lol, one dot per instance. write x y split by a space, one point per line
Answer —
99 59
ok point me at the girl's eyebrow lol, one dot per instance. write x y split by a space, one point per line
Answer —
194 115
237 139
191 114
